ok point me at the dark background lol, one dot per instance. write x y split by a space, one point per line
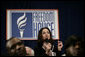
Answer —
71 18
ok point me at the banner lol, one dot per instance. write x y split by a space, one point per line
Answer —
26 23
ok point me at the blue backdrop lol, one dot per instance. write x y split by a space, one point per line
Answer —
71 18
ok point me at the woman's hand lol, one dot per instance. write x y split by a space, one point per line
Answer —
47 48
60 45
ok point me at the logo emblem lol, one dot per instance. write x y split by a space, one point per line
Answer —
21 22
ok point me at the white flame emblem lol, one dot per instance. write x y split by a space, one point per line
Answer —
21 22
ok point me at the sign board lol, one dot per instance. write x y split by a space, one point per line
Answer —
26 23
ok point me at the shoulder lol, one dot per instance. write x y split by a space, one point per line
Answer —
29 51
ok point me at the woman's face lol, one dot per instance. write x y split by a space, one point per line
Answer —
45 34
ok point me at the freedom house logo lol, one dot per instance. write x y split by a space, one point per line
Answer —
26 23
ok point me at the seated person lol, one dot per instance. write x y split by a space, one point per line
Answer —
73 46
15 47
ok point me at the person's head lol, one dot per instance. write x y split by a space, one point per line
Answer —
44 34
15 47
72 45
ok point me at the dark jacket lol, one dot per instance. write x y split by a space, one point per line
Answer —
39 51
